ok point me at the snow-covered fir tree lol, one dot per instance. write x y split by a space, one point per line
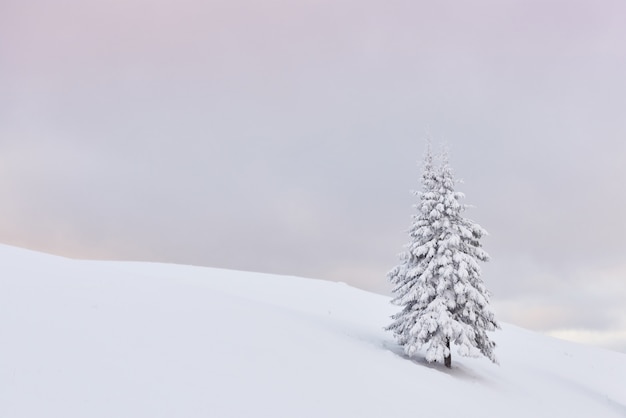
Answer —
438 282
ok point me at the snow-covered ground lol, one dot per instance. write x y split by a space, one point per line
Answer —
118 339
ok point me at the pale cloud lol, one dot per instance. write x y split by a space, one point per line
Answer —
586 306
614 339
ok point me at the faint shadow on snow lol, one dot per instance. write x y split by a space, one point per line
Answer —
583 390
457 370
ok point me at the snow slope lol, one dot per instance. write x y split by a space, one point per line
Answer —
118 339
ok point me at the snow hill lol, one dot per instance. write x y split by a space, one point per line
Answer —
119 339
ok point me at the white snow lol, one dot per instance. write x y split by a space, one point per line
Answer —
119 339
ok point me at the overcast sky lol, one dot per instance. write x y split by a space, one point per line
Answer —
285 136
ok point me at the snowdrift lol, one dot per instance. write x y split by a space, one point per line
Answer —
120 339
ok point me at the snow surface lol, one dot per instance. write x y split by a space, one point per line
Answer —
120 339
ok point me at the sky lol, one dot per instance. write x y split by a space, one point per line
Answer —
286 137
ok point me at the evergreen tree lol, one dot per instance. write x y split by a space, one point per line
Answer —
438 281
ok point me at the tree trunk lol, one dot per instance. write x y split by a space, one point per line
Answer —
447 360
